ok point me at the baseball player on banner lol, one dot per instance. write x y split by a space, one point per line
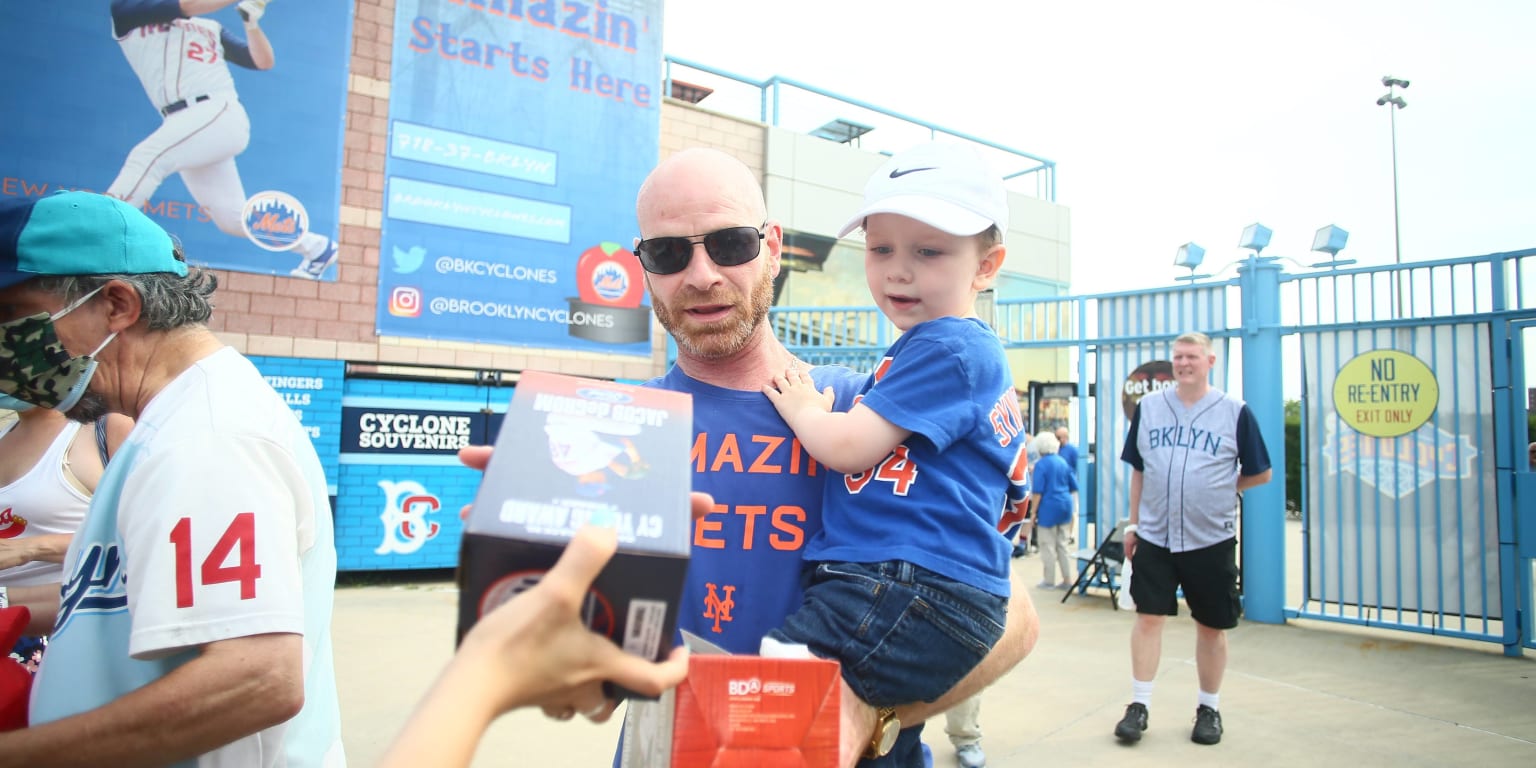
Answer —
182 59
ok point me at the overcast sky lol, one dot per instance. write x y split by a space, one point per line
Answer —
1187 120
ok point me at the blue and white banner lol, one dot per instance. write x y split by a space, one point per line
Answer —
312 389
519 134
226 131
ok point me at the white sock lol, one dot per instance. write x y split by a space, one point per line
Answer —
1212 700
1141 692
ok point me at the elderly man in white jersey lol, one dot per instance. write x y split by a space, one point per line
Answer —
1192 450
193 626
182 60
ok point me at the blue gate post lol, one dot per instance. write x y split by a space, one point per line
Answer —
1263 522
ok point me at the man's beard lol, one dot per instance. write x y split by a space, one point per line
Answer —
90 408
720 339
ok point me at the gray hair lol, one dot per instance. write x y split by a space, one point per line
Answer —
1195 337
1046 443
169 300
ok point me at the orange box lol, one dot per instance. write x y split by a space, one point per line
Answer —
748 711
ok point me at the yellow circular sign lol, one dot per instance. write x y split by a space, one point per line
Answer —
1385 393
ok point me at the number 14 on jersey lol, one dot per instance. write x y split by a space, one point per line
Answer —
215 570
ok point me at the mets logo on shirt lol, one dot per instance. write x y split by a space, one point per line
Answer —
274 220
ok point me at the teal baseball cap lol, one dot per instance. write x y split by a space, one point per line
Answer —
80 233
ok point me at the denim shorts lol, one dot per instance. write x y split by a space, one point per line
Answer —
902 633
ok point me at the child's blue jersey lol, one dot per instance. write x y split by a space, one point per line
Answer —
936 500
744 574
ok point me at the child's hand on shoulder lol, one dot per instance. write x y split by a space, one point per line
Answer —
794 391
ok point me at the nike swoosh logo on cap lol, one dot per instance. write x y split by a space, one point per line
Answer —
896 174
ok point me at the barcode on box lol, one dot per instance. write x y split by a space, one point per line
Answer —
642 628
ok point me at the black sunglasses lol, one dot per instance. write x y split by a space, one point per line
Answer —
727 247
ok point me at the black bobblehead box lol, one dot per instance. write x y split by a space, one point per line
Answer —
575 452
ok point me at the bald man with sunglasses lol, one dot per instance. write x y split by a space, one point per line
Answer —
711 254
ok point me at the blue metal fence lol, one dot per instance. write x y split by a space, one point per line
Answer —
1419 531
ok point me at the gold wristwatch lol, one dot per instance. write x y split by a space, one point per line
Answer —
887 727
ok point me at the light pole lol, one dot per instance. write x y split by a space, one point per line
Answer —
1393 103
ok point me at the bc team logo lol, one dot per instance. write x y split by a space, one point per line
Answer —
274 220
406 527
405 301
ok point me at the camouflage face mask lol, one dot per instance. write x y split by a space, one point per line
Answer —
34 366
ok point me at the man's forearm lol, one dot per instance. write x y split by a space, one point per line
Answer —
260 45
235 688
41 600
1019 636
1244 482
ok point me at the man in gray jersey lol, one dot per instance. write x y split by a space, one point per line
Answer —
1192 449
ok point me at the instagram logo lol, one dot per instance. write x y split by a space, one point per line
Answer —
405 301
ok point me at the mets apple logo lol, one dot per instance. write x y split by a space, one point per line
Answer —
274 220
608 275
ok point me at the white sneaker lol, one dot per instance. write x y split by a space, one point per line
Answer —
971 756
314 268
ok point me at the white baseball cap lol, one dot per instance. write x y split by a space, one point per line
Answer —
946 186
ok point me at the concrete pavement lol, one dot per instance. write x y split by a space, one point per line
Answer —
1305 693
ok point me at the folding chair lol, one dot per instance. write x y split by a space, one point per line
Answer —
1100 567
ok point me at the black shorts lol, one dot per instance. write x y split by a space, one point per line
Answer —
1208 576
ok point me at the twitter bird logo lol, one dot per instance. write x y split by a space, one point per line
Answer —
407 262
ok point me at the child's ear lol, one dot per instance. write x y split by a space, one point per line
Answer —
991 263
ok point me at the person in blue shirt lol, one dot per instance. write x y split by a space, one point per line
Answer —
908 581
1068 452
1053 488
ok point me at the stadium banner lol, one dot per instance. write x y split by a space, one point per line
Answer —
225 128
519 134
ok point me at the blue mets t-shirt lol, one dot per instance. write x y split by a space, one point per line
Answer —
744 571
937 499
